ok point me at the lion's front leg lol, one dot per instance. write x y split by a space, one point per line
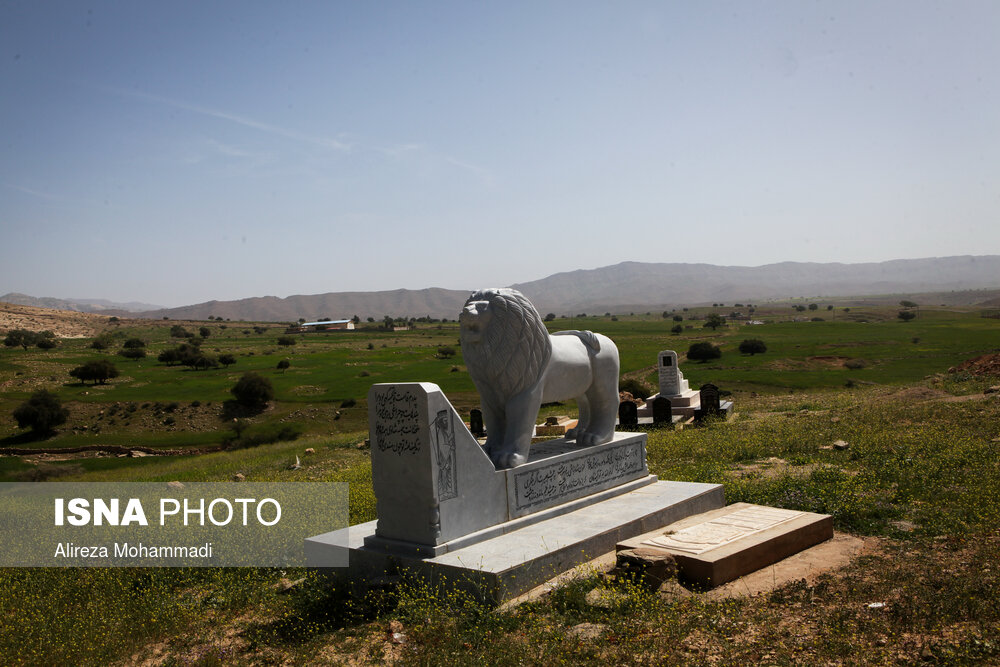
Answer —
496 426
521 411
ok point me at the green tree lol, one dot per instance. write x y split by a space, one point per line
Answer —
133 353
703 352
549 317
678 318
227 360
676 329
283 365
908 304
753 346
714 321
45 343
21 337
98 371
286 341
42 412
102 342
204 361
813 306
169 356
177 331
204 332
446 352
906 315
252 391
134 344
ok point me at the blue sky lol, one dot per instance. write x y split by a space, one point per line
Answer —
176 152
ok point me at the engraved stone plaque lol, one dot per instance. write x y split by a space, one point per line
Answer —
559 479
722 530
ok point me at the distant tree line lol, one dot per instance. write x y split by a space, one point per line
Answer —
45 340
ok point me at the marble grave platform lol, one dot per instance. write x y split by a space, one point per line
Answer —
445 513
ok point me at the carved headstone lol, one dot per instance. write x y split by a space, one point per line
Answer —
709 399
662 410
628 414
476 422
426 466
672 382
669 382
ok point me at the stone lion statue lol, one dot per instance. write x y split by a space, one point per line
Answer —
516 366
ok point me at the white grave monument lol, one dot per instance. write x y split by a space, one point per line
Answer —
683 400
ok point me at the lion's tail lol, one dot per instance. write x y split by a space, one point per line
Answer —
589 338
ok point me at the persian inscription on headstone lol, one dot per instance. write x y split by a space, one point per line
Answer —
547 484
662 411
397 421
447 460
628 414
722 530
709 398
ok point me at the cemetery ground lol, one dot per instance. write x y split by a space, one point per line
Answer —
901 452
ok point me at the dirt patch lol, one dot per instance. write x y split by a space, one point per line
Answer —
987 364
819 362
920 394
308 390
772 468
63 323
829 361
824 558
806 565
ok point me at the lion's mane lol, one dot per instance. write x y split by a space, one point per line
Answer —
514 347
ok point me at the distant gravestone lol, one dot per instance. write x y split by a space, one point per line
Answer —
476 422
709 399
628 414
662 410
669 375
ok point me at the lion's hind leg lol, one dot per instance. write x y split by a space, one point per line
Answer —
601 401
583 422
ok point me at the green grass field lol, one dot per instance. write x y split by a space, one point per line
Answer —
922 474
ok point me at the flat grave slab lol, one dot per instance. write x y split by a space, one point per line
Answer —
723 544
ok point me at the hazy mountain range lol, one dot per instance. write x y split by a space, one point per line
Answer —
629 286
78 305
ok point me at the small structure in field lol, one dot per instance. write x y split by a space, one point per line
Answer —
324 325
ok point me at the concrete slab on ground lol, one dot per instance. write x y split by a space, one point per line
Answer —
724 544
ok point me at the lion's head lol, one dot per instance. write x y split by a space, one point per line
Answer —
505 344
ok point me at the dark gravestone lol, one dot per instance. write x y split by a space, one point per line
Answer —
628 414
476 423
662 412
709 399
